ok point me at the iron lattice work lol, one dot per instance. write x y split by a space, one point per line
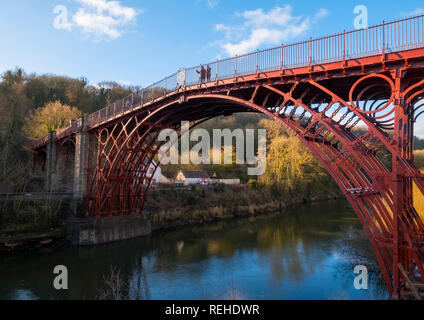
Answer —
364 141
351 98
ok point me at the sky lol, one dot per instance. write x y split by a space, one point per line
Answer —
138 42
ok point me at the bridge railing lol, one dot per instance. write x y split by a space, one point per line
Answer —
141 97
380 39
384 38
63 132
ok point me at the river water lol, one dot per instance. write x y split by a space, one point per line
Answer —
306 252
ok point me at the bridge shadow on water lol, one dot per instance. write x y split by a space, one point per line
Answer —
307 252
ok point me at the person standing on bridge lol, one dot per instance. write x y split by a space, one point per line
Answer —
127 104
202 73
208 73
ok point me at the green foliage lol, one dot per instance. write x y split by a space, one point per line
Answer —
419 159
291 168
50 118
252 183
36 91
231 171
41 90
273 129
153 93
196 188
418 143
22 217
21 95
13 107
240 120
219 187
12 77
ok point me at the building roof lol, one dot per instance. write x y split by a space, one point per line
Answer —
195 174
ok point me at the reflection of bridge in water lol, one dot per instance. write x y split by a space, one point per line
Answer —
321 90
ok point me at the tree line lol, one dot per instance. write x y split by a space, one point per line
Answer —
31 105
291 167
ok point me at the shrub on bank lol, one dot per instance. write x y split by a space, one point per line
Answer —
20 218
174 207
419 159
253 184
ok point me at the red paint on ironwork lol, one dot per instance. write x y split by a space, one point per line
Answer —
322 91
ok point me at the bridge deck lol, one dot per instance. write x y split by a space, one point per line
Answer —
337 56
325 91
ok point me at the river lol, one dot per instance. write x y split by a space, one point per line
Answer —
305 252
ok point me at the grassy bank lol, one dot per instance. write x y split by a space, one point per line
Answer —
175 207
23 219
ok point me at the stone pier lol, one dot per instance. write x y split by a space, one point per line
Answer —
49 167
81 167
89 231
66 167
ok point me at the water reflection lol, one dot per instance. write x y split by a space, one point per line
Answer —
304 253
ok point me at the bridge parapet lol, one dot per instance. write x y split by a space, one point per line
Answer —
379 40
371 78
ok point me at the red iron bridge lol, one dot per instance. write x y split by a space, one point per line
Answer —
352 98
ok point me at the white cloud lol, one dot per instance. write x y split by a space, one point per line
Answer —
277 16
261 28
103 19
212 3
126 83
322 13
417 12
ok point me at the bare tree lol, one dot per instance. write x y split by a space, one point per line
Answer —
115 287
234 294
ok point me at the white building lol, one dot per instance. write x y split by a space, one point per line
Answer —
158 177
227 181
192 177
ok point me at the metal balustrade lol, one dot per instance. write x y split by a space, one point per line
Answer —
380 39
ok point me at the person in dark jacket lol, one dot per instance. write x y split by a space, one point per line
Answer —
202 73
208 73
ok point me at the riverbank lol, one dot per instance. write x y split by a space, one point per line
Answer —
307 252
31 224
173 207
167 208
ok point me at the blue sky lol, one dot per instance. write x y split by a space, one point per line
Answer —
139 42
